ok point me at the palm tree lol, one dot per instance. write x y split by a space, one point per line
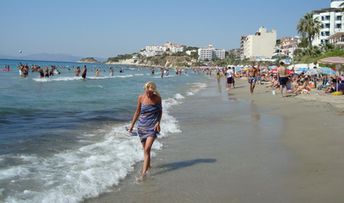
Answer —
309 27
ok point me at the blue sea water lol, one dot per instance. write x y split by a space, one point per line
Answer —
63 139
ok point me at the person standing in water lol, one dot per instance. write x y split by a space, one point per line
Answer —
162 71
77 71
84 72
148 113
111 71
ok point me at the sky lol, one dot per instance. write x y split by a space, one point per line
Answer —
106 28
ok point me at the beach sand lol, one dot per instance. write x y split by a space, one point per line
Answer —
237 147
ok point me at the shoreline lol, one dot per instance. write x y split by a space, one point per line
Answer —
237 147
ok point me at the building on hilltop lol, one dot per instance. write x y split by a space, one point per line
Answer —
210 53
154 50
150 51
236 53
337 39
288 45
174 48
331 20
261 45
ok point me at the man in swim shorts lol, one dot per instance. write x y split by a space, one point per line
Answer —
252 78
282 77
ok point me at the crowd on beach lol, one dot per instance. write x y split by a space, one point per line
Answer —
288 82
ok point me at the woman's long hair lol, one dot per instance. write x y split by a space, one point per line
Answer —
151 86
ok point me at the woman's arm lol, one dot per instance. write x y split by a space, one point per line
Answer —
136 114
157 125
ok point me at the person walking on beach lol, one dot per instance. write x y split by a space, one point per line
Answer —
233 68
148 113
282 77
230 75
252 78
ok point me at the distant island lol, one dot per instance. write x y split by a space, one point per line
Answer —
88 60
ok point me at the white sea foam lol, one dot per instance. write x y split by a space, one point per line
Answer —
88 171
179 96
196 87
55 79
16 171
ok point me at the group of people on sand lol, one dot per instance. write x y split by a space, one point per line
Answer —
284 80
294 84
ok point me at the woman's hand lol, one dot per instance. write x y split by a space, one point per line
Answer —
130 129
157 127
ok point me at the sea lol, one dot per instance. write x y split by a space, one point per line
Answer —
64 139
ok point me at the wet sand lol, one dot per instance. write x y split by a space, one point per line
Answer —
237 147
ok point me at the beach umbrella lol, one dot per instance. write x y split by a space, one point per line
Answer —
272 67
301 70
327 71
312 72
300 65
332 60
274 70
238 68
290 72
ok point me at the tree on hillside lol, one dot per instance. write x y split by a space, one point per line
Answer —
309 27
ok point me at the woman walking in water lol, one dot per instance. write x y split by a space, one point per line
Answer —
148 113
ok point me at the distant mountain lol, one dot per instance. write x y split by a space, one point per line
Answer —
7 57
88 60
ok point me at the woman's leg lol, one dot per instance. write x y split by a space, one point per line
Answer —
147 149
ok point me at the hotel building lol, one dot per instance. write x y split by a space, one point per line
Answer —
261 45
210 53
331 20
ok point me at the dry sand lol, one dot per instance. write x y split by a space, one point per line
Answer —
237 147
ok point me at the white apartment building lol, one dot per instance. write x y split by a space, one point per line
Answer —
153 50
174 48
260 45
289 45
210 53
220 53
189 52
156 48
332 22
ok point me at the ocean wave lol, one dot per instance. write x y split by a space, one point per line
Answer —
196 87
86 172
53 79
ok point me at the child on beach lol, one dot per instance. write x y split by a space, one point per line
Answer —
148 113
